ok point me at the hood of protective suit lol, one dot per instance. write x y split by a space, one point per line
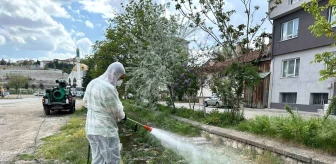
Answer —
113 73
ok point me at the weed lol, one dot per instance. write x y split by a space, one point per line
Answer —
25 157
267 158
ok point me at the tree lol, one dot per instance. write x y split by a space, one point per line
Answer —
213 18
2 62
89 61
41 86
186 82
25 62
232 87
115 47
321 27
158 47
17 81
33 86
26 85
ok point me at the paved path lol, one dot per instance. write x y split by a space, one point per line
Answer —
20 120
250 113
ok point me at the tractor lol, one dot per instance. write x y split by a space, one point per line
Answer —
59 98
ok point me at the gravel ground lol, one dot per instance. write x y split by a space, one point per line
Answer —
20 120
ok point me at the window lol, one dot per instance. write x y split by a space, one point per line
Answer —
320 98
290 29
293 1
288 98
334 56
290 67
331 16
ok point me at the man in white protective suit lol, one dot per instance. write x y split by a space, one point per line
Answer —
104 111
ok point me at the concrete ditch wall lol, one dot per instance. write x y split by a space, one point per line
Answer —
258 145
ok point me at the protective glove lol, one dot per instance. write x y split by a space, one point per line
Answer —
123 121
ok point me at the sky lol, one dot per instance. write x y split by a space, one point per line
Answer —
53 29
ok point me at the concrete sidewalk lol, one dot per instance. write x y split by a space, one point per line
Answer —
251 112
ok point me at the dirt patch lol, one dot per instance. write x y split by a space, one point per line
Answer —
20 120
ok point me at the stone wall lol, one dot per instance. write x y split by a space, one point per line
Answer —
37 76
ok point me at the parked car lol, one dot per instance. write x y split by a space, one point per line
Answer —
130 96
214 101
6 94
39 94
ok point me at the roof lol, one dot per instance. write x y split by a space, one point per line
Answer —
263 75
253 56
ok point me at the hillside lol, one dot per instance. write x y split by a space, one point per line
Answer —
37 76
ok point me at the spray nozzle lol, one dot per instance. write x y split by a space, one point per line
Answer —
148 128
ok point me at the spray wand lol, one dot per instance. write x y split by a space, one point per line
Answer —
148 128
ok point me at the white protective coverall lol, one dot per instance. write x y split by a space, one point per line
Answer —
104 110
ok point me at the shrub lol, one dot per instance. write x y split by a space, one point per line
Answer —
312 132
223 119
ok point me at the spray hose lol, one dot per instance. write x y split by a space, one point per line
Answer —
148 128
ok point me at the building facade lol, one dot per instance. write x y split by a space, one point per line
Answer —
294 80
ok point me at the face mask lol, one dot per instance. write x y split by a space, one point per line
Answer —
119 82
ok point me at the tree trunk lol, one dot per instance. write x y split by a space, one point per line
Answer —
189 101
171 96
194 102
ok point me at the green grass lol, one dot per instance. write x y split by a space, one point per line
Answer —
69 145
25 157
225 119
312 132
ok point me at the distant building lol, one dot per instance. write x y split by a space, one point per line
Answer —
44 62
75 78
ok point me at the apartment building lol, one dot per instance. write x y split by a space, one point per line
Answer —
294 80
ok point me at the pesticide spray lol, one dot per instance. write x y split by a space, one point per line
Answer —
197 150
193 153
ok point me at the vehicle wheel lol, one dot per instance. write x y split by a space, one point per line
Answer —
46 111
73 109
206 104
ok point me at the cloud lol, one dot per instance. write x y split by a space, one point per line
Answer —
56 55
77 11
88 24
80 34
107 8
29 25
84 45
2 40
